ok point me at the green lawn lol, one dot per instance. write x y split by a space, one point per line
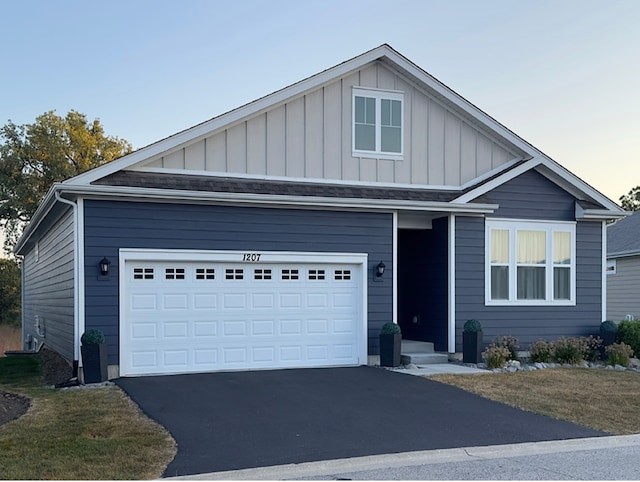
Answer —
605 400
96 433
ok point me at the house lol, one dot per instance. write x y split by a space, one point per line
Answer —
623 269
286 232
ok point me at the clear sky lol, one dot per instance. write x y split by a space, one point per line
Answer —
562 74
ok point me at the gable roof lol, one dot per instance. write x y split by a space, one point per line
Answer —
384 53
590 204
623 237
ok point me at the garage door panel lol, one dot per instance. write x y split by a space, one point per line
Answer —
184 317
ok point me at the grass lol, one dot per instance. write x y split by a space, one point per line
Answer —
10 338
90 434
604 400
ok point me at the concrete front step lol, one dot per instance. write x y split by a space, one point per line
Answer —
421 353
413 346
424 358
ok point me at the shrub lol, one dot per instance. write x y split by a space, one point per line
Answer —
619 354
629 333
569 350
390 329
473 326
592 349
511 343
541 352
92 337
496 356
608 326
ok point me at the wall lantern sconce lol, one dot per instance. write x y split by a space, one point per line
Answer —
104 266
380 269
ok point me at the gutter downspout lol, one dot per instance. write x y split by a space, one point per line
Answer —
76 281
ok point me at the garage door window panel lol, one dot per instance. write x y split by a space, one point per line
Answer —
143 273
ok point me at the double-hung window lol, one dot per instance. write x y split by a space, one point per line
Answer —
530 262
377 123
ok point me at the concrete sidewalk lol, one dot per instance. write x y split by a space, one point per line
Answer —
439 369
600 458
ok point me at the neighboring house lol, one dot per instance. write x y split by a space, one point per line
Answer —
623 269
286 232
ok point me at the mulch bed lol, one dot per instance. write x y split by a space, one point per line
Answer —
55 370
12 406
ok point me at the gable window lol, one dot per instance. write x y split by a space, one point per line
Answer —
377 123
530 262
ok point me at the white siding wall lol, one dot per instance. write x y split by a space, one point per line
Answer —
623 289
310 137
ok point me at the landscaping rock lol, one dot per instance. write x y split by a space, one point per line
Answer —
619 368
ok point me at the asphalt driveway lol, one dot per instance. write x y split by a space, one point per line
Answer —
237 420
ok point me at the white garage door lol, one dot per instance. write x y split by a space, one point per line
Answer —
181 316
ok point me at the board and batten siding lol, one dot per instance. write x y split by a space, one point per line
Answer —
623 289
48 288
111 225
529 196
310 137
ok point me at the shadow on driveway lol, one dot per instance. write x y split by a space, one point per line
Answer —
238 420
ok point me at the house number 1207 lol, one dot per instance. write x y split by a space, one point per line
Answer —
251 257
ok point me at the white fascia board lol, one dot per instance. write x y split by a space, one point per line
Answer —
597 214
623 254
498 181
126 192
43 209
273 199
612 209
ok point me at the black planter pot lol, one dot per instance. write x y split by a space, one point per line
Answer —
608 337
390 350
472 346
94 363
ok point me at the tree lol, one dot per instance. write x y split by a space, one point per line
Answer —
631 200
10 291
52 149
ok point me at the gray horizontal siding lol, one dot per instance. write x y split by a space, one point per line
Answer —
529 196
48 287
111 225
623 289
532 196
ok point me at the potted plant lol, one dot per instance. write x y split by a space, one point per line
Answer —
608 332
472 341
94 356
390 345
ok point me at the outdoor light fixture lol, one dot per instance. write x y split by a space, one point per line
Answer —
104 266
380 269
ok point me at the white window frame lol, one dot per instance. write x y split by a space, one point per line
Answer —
378 95
513 226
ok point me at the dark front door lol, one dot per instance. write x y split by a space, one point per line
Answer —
422 283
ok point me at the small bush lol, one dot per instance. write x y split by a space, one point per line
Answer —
496 356
592 349
629 333
473 326
390 329
511 343
608 326
92 337
569 350
541 352
619 354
